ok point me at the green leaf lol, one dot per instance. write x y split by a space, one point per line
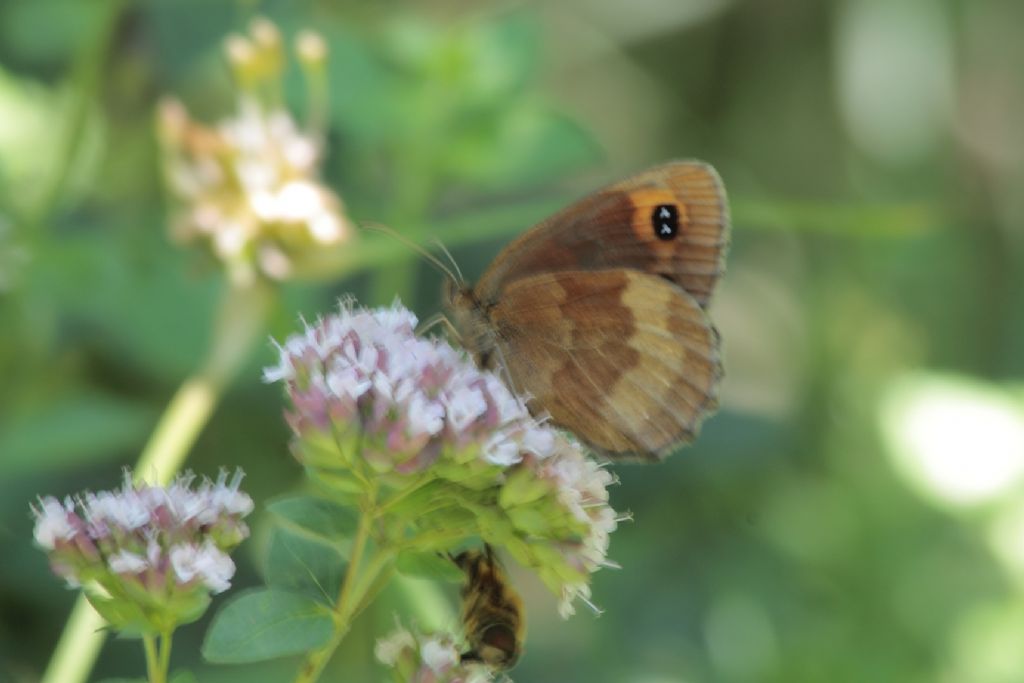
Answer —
305 565
265 624
79 428
428 566
316 516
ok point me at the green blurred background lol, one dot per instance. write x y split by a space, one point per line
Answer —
854 512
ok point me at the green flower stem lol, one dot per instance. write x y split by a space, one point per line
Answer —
165 654
153 670
359 587
158 656
405 493
240 321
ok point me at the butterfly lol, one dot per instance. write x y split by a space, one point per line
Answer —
599 313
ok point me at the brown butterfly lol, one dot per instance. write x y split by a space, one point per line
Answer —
599 312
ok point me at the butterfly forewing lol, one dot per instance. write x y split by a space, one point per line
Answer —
671 220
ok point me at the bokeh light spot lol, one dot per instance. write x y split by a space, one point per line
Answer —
958 442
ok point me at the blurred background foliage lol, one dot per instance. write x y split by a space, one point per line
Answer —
856 509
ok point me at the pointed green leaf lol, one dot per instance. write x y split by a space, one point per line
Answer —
304 565
317 516
265 624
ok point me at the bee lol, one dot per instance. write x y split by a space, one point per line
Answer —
492 612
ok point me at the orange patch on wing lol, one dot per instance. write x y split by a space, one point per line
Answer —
644 201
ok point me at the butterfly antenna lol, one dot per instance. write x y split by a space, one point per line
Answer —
430 258
451 259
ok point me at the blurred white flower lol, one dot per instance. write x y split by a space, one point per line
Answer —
124 562
389 649
249 187
206 563
416 657
54 522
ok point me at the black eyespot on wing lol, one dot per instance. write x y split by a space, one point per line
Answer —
665 221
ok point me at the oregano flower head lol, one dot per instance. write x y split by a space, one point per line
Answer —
147 556
447 449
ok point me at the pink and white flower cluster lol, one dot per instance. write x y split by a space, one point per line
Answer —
408 401
457 450
580 487
415 657
163 540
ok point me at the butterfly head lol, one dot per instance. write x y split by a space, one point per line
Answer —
455 295
469 318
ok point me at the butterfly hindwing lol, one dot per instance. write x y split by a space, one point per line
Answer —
627 361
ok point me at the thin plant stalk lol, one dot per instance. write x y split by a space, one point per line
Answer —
364 573
240 321
158 656
153 671
165 654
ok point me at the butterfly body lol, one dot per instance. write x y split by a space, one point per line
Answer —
598 313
